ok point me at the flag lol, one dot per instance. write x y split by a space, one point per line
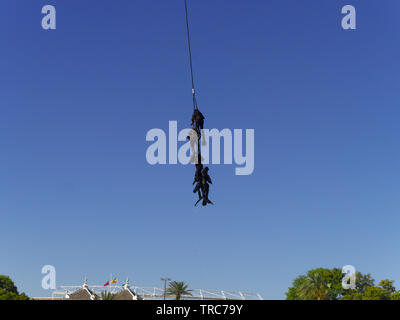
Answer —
114 281
106 284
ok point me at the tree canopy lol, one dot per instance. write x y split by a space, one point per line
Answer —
106 295
178 289
326 284
8 290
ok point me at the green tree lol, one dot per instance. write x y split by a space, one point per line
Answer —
384 291
293 291
388 286
107 295
178 289
395 296
327 285
375 293
8 290
363 282
314 287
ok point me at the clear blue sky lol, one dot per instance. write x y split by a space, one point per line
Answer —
76 103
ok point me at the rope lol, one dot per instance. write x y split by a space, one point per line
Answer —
190 56
192 77
198 132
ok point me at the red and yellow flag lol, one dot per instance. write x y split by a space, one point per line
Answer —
114 281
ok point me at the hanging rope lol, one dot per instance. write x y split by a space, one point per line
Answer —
190 56
202 178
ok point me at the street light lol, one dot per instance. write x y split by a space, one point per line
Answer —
165 286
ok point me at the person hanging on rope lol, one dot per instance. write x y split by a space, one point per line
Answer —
198 176
198 179
197 122
205 186
202 185
194 147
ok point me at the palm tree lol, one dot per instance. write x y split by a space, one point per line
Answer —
178 289
314 288
107 295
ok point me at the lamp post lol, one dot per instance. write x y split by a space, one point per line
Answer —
165 286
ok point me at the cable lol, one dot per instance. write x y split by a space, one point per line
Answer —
190 56
204 187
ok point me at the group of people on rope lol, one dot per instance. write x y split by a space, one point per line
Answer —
201 177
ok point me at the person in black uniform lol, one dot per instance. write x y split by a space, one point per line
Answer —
201 177
197 121
198 179
205 186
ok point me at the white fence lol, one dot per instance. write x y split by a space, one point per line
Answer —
154 293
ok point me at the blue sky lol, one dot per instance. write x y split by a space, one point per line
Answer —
76 103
